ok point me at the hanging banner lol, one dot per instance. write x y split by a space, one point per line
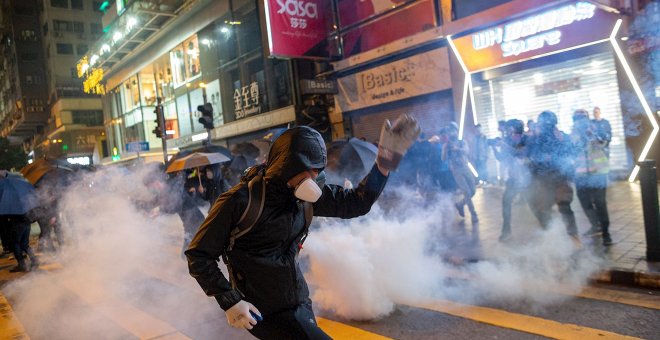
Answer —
298 28
554 30
417 75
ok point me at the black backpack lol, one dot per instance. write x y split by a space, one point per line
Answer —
255 206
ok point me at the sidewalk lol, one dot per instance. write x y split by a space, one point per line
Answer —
626 258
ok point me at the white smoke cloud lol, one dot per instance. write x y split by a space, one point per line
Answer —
115 255
362 268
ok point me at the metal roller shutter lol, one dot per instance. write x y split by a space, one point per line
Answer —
581 83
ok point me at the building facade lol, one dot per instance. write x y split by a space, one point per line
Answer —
345 66
23 87
75 127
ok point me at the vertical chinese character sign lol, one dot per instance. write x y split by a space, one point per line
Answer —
297 28
246 100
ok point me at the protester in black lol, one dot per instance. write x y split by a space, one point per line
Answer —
268 281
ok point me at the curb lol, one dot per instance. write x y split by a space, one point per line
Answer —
626 277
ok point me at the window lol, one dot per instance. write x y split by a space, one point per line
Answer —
64 49
78 27
81 49
59 3
178 66
74 72
87 117
191 47
45 28
96 28
28 80
60 26
76 4
28 35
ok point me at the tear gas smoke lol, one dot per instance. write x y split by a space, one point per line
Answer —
362 268
118 262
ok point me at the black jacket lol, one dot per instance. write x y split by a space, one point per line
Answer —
264 259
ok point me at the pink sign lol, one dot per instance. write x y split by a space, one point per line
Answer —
298 28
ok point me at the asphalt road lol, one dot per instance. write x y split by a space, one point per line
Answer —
149 305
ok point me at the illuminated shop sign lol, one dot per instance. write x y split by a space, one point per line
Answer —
246 101
534 32
566 27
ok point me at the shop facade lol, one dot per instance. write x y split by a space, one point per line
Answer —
560 58
212 55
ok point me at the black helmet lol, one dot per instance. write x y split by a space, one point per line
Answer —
515 126
547 119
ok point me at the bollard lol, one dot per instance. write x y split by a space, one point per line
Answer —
649 185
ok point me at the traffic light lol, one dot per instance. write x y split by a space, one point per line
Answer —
158 130
207 115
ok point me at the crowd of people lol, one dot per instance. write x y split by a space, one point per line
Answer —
540 164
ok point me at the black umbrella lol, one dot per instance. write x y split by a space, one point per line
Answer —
17 195
213 149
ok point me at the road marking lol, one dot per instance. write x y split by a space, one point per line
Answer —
338 330
623 297
520 322
135 321
10 327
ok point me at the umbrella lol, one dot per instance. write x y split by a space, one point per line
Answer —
38 169
17 196
196 160
213 149
358 155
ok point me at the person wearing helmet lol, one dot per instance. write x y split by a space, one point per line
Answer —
591 174
268 295
551 158
511 151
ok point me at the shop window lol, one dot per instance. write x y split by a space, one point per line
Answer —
65 49
77 4
59 3
196 99
81 49
148 88
178 66
249 32
183 113
226 38
213 96
281 82
191 47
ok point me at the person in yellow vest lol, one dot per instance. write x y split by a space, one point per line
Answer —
591 175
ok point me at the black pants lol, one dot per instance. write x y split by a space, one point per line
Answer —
546 190
5 236
21 240
297 323
594 204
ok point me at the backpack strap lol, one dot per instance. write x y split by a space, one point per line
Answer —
255 206
309 215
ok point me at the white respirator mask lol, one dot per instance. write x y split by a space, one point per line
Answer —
308 191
